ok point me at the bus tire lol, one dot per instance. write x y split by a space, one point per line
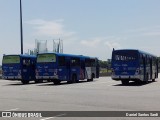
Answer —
92 77
125 82
147 78
49 80
24 81
38 81
57 82
74 78
153 80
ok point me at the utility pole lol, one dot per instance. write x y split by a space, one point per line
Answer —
21 27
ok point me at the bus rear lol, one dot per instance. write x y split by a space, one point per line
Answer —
11 67
46 66
91 68
125 65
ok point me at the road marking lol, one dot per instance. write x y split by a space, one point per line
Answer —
53 117
12 109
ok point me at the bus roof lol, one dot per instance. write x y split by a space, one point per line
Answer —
69 55
139 51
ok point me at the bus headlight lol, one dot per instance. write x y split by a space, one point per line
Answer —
137 71
36 71
19 73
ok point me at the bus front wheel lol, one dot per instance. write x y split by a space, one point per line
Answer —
153 80
147 78
74 79
125 82
24 81
93 76
56 82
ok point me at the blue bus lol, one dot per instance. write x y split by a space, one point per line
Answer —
132 65
19 67
58 67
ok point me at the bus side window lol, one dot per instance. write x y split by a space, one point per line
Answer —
82 64
33 64
87 63
148 61
61 61
141 60
93 62
75 62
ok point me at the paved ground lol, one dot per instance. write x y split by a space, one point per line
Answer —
102 94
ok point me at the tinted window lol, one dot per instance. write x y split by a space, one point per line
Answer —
125 55
11 59
46 58
61 61
90 62
75 62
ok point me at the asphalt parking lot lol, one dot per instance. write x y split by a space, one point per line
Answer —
102 94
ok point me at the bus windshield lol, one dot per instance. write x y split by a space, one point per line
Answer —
125 55
11 59
46 58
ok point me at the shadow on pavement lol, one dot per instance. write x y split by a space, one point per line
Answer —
135 83
65 83
20 84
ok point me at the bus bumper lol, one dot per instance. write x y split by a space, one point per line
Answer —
46 77
124 77
12 77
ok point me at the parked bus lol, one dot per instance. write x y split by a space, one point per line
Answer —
64 67
132 65
19 67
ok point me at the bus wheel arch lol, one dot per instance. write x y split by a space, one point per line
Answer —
74 78
25 81
147 78
125 82
155 76
56 82
92 77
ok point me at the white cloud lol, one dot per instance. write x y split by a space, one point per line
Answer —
50 28
91 43
100 47
109 42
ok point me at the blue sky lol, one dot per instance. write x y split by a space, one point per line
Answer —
87 27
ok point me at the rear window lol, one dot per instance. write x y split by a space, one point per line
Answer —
125 55
11 59
90 62
46 58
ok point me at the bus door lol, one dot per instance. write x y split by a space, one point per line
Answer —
82 70
97 68
32 69
68 67
144 68
151 69
157 62
88 68
26 72
75 68
62 69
